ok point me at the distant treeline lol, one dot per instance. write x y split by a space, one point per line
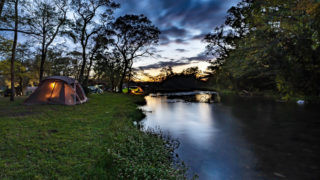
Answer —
167 81
268 45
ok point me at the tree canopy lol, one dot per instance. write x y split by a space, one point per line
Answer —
268 45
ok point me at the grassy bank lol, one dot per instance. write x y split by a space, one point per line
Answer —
95 140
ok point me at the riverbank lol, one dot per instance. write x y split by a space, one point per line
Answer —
269 95
95 140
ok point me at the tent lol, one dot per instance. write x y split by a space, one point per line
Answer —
58 90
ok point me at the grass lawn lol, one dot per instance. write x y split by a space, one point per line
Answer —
95 140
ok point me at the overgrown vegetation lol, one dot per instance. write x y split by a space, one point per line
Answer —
96 140
268 46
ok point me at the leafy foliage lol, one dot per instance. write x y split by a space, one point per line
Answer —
268 45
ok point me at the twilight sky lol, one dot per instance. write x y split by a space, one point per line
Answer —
183 24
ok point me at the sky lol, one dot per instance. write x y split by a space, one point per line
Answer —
183 24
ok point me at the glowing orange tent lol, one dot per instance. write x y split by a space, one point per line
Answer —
58 90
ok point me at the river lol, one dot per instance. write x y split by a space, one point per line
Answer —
241 138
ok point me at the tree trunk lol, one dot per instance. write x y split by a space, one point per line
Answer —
83 64
129 74
112 84
89 69
122 77
14 46
43 59
1 6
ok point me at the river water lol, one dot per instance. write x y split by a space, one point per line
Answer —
241 138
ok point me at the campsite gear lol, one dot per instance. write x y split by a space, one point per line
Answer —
133 90
58 90
95 89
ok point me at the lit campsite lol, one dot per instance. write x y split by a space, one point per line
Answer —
151 90
57 90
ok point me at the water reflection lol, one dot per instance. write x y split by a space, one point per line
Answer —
210 143
203 98
241 138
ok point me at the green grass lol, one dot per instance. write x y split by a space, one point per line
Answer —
95 140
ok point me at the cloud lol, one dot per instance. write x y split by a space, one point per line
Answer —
183 61
181 50
200 57
174 31
174 17
164 40
180 41
181 22
196 14
162 64
199 36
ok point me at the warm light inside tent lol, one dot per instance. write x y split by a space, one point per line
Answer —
53 85
50 93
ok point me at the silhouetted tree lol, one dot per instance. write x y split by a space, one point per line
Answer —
85 25
166 72
132 37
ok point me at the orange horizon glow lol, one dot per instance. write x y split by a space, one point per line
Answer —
155 73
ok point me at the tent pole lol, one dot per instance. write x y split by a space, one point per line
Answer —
54 85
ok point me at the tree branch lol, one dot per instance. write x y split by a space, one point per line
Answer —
20 31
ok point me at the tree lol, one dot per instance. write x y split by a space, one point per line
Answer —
46 20
59 63
193 71
132 36
1 6
166 72
75 57
11 16
5 47
108 67
86 26
271 46
14 46
92 54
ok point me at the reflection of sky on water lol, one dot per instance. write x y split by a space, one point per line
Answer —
211 143
191 120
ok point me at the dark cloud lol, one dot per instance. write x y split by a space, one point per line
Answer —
176 17
193 13
199 36
164 40
180 41
199 58
183 61
174 32
181 50
181 22
162 64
